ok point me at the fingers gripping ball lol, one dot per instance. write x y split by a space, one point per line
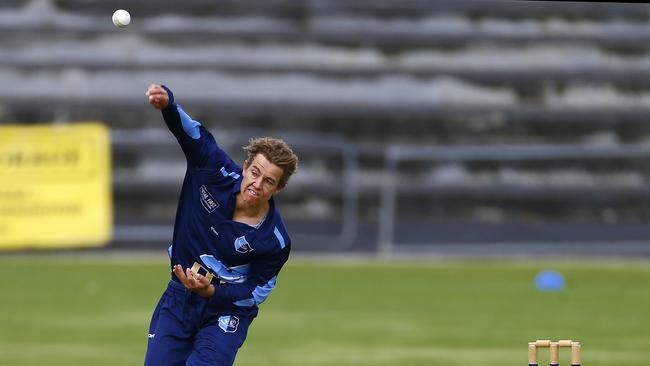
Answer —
121 18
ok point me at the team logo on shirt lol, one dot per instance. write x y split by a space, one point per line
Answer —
209 203
242 246
228 323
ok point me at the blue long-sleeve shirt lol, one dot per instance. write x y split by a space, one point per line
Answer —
245 259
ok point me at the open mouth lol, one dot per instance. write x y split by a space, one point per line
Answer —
253 193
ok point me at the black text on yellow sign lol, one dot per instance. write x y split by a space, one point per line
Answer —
55 186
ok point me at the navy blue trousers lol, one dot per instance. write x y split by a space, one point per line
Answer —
184 330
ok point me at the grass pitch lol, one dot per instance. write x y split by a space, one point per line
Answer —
90 311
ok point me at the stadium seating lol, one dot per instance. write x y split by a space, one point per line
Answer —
500 116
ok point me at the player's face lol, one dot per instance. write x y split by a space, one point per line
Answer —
261 180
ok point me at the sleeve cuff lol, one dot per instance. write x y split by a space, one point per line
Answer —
170 94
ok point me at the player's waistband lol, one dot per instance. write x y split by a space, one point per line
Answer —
175 286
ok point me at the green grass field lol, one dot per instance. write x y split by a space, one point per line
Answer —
88 311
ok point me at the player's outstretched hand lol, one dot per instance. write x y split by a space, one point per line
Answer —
158 97
194 281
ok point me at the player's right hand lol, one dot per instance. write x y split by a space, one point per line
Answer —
158 97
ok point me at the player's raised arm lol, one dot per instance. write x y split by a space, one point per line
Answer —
197 143
178 122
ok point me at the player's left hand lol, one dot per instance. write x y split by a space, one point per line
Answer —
195 282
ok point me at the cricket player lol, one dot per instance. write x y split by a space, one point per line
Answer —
229 244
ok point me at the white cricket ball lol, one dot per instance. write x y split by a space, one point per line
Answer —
121 18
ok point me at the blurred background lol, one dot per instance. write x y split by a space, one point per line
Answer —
466 128
453 126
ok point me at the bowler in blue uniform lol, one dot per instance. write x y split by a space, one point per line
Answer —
228 246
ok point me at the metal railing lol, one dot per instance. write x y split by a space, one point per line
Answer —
394 155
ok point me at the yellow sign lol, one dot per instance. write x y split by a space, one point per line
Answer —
55 186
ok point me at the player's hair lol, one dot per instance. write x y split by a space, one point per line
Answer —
275 151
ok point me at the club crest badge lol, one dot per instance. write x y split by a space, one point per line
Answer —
242 245
228 323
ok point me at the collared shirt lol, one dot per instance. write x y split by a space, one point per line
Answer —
246 260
